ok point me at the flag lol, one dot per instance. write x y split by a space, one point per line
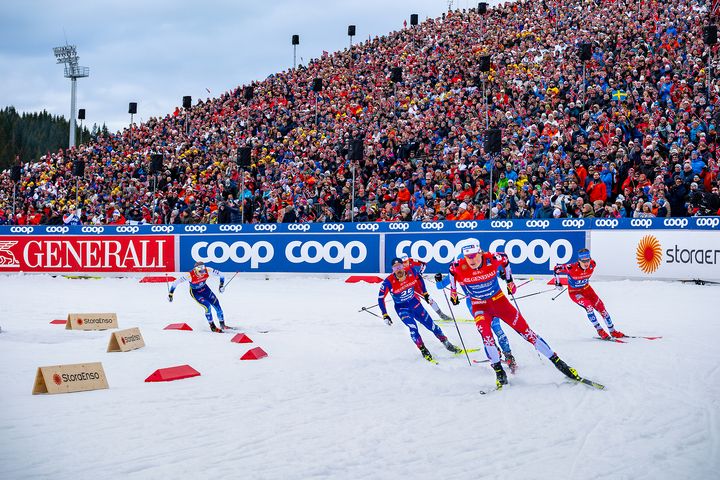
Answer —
715 8
207 90
619 95
404 23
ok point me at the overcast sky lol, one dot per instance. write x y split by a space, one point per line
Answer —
155 51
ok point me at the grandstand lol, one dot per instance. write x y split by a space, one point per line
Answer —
636 139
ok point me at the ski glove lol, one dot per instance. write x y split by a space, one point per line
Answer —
438 277
170 297
426 296
558 285
454 298
222 287
511 288
388 320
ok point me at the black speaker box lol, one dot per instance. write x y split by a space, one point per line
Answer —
317 85
356 149
187 102
296 39
484 63
482 8
132 108
493 140
248 93
243 157
79 168
396 74
81 114
15 173
156 162
585 52
710 34
414 19
351 30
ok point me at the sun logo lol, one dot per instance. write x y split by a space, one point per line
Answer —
648 254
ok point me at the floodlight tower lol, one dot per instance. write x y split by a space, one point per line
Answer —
67 54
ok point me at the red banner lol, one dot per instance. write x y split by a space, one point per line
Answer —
152 253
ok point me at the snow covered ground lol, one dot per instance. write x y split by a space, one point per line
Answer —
343 396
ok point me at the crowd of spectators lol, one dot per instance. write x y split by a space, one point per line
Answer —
637 138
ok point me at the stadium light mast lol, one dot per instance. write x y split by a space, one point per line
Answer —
67 54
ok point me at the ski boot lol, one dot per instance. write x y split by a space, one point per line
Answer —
215 329
564 368
511 363
451 347
426 354
500 375
617 334
603 334
444 316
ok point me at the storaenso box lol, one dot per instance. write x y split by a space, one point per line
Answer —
91 321
70 378
125 340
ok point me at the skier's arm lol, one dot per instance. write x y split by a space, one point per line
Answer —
182 279
384 290
218 273
453 286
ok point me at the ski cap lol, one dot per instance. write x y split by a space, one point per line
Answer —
472 248
584 254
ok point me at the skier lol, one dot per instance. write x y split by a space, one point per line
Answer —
477 272
442 282
201 293
404 285
580 291
412 263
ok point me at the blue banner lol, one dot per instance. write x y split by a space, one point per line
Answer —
327 253
529 253
563 224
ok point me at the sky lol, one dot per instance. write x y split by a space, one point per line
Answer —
155 52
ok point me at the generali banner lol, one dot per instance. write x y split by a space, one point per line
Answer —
87 253
658 254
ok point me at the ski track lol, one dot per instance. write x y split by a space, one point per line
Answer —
342 395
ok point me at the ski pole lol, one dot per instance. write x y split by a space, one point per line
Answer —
526 282
520 314
452 314
362 309
536 293
167 283
231 279
561 292
365 309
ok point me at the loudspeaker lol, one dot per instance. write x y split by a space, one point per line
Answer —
79 168
585 52
187 102
248 93
710 34
81 114
396 74
493 140
351 30
485 63
133 107
156 162
243 157
482 8
15 173
357 149
296 39
414 19
317 85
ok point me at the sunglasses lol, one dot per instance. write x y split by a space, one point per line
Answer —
398 267
471 255
584 260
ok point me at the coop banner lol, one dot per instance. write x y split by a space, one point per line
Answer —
659 255
528 252
54 253
282 253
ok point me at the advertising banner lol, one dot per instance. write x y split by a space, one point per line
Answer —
657 255
282 253
87 253
529 253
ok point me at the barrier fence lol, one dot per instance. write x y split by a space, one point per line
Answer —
647 248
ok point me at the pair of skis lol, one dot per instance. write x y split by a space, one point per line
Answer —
620 340
586 381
